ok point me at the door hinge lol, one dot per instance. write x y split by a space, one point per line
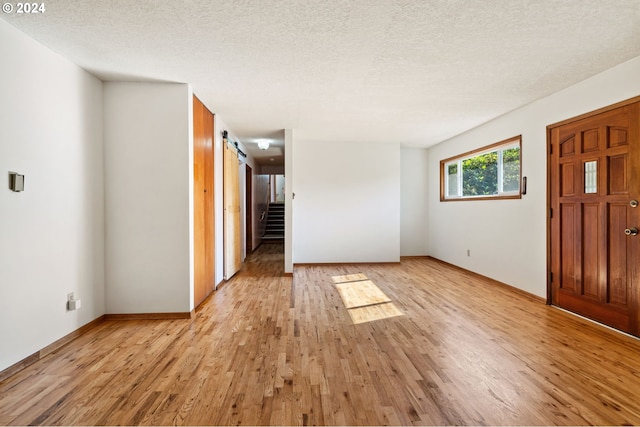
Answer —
550 148
550 212
550 277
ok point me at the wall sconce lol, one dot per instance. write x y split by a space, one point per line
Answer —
263 144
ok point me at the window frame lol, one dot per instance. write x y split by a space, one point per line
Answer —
499 147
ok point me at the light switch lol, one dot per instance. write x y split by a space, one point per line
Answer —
16 182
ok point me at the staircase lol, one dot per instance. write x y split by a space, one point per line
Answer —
274 230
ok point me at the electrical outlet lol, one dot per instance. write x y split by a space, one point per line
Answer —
72 302
469 252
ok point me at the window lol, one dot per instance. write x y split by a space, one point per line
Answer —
490 172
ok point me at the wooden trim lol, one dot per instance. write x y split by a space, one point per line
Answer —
408 257
71 336
151 316
19 366
330 264
485 148
287 274
595 112
548 214
44 352
494 281
470 198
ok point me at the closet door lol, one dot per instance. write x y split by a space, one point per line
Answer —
232 243
209 211
203 201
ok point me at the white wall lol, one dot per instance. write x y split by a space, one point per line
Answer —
414 202
507 238
347 202
148 197
52 234
289 200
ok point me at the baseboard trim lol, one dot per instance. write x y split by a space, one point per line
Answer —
340 264
56 345
19 366
493 281
151 316
408 257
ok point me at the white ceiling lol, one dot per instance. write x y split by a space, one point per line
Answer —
410 71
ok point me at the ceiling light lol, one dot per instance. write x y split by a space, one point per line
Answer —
263 144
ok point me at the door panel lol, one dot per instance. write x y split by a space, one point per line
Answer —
569 273
232 242
203 211
209 211
249 208
590 249
594 163
618 277
199 250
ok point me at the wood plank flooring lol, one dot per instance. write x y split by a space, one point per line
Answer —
268 349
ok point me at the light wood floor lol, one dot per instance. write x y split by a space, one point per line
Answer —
267 349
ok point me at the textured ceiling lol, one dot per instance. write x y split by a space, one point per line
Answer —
410 71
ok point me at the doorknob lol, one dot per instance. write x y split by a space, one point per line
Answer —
633 203
631 231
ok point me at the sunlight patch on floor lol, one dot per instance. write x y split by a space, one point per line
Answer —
364 301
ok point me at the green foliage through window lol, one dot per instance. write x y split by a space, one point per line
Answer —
491 173
480 175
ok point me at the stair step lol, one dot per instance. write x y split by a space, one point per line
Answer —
274 227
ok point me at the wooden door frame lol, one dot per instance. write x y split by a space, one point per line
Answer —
550 183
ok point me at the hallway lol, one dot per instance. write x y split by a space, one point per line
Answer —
269 349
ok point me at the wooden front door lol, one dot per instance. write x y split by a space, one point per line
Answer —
594 170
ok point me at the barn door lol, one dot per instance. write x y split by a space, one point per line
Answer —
232 236
594 188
